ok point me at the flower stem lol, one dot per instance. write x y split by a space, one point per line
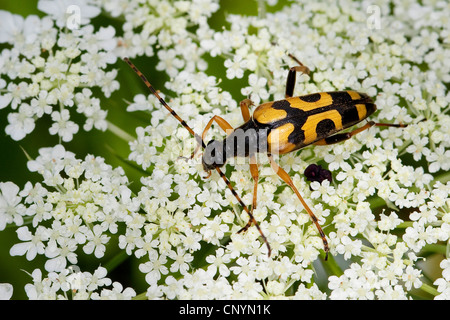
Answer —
429 289
141 296
261 9
116 260
119 132
443 177
435 248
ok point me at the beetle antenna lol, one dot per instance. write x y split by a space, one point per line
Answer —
164 103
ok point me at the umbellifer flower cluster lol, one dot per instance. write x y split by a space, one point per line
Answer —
385 210
47 69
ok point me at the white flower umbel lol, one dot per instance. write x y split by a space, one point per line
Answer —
79 205
71 283
45 65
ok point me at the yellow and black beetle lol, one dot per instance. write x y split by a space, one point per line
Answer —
280 127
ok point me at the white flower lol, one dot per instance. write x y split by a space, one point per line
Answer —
96 43
59 253
172 288
62 126
209 199
95 118
43 103
235 67
16 29
6 291
222 98
218 262
412 278
96 242
391 293
445 265
73 208
192 240
248 286
5 99
64 10
20 123
439 159
322 190
109 83
198 215
56 69
350 173
349 247
257 89
117 293
418 148
130 240
309 293
387 223
34 243
143 43
169 62
34 290
154 268
140 103
181 260
337 160
443 283
214 230
11 209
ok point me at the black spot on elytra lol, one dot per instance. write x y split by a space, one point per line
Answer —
350 114
311 97
281 105
325 128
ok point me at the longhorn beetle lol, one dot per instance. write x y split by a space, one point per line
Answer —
280 127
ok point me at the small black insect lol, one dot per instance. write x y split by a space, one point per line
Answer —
315 172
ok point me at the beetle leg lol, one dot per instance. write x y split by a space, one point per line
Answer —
255 175
287 179
396 125
245 108
221 122
252 220
292 75
345 136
